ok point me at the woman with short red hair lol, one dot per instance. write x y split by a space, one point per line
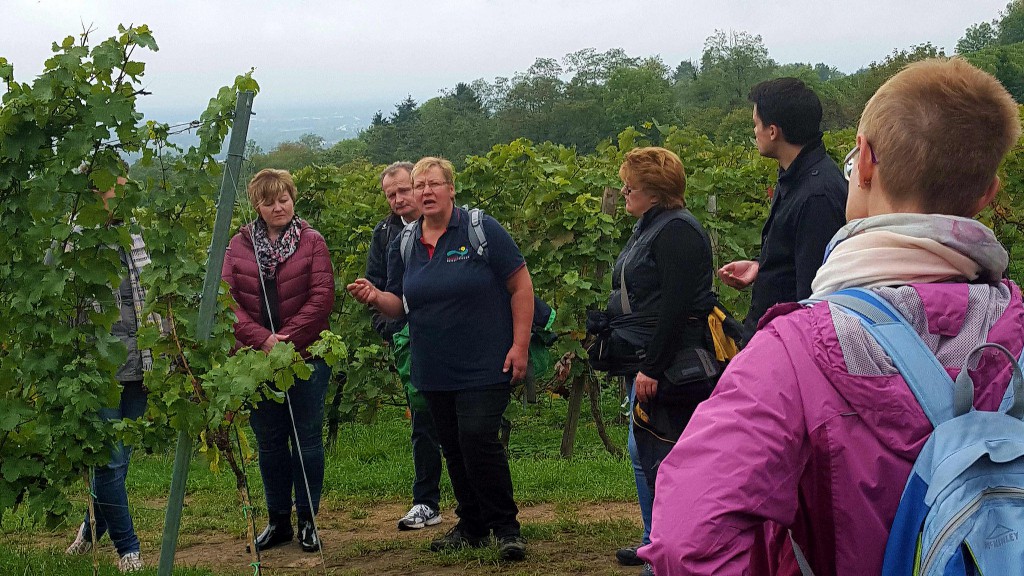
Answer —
661 297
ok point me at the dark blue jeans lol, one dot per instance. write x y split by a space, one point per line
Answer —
108 482
279 451
467 423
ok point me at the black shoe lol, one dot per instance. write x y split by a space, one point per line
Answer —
308 538
627 556
457 538
647 570
278 531
512 547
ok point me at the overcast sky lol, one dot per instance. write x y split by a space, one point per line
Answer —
375 52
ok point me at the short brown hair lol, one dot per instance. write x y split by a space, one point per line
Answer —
940 128
657 171
395 168
429 162
268 185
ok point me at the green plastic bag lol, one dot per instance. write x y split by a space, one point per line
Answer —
403 362
541 339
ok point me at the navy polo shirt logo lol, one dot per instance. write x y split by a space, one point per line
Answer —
456 255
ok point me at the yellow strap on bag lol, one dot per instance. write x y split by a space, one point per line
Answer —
725 347
639 413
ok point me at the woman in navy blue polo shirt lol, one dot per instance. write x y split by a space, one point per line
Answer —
469 326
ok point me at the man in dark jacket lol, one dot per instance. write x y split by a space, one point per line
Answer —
808 205
396 182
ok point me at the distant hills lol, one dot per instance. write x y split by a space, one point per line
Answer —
272 125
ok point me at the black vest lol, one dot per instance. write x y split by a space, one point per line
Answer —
643 282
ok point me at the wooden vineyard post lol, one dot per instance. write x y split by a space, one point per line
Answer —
594 391
713 230
579 383
530 387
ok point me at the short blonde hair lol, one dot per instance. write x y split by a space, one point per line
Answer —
268 185
429 162
657 171
940 128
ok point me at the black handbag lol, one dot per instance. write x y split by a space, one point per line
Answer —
611 354
691 377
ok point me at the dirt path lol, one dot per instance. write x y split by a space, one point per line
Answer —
568 539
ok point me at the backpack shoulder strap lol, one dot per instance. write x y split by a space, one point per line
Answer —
477 238
926 378
405 249
406 245
389 231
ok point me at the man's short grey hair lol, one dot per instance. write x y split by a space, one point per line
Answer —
395 167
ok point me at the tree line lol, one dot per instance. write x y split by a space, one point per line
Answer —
587 97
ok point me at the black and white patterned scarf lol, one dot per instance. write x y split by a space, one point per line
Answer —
271 254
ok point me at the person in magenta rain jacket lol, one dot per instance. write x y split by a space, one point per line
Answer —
811 429
280 275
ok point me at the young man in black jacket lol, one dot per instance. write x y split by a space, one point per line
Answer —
808 205
396 182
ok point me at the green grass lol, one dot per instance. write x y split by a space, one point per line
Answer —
25 561
374 463
369 464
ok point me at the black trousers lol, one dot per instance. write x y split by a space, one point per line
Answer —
657 427
426 461
467 423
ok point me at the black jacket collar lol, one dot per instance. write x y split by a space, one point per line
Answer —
809 155
647 217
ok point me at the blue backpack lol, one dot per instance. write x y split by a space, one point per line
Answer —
962 508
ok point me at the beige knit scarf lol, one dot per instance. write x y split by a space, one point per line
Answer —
900 249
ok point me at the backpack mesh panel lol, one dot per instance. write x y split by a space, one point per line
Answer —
864 357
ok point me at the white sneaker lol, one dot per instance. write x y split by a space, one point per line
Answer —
130 562
80 545
419 516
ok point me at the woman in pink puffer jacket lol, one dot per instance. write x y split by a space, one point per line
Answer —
811 430
280 275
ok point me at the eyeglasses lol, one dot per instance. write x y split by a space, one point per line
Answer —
626 190
851 159
421 186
